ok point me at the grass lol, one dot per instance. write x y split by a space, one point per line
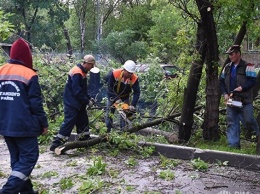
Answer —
197 141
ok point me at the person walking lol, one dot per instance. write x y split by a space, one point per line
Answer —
121 83
237 81
75 100
22 117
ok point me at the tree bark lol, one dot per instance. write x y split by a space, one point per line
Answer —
170 137
190 92
211 116
81 11
67 37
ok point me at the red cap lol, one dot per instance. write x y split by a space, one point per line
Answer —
21 52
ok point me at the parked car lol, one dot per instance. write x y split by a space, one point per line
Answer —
170 71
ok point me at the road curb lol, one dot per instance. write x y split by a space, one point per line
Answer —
188 153
245 161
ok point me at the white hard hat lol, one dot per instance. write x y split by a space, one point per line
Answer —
129 66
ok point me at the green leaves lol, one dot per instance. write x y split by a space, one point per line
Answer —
66 183
98 167
199 164
123 45
91 185
6 27
167 175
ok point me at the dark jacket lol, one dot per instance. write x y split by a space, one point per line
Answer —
76 93
122 91
245 77
21 110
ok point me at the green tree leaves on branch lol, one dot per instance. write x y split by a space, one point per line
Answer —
6 28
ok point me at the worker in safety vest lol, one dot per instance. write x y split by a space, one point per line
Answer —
75 100
22 117
120 85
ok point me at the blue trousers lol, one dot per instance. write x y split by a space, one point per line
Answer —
234 115
111 110
24 153
74 117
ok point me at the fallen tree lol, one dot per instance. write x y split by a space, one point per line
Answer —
170 137
103 138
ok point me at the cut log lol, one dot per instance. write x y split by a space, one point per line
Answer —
80 144
170 137
85 144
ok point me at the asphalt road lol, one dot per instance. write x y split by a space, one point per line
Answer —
129 173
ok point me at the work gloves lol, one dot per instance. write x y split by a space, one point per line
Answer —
118 101
132 108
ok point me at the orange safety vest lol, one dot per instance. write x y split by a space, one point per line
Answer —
118 75
76 70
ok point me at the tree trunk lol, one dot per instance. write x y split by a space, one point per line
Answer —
211 116
67 37
190 92
170 137
239 38
82 36
81 11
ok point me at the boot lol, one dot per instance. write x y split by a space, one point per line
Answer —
258 145
56 143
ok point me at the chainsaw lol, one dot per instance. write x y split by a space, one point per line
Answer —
234 101
125 112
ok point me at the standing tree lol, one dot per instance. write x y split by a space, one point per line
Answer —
208 53
211 116
37 21
190 93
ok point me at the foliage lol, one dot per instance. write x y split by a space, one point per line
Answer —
123 141
151 82
37 21
91 185
49 174
146 151
220 163
229 20
164 34
134 17
167 175
199 164
6 28
167 163
98 167
131 162
123 46
66 183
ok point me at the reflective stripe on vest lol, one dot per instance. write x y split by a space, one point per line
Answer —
16 72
